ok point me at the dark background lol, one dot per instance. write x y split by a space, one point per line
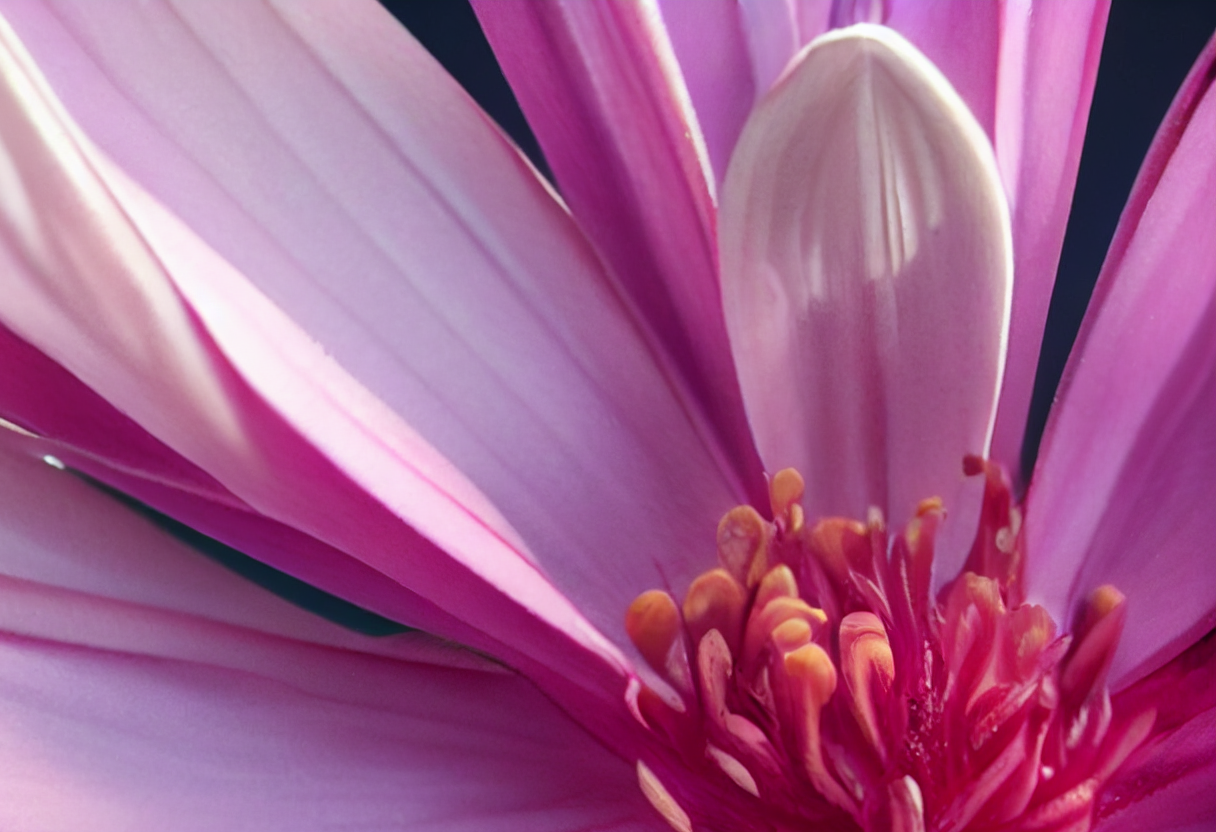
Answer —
1150 45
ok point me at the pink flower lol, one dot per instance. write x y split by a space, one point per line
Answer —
267 270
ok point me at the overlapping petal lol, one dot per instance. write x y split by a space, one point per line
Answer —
424 257
866 270
601 89
1127 474
1026 70
145 687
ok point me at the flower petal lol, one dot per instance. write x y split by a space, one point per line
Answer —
1026 70
601 89
58 533
101 741
1127 475
866 271
1179 771
1048 65
712 52
143 686
499 338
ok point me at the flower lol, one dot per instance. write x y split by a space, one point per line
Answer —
338 323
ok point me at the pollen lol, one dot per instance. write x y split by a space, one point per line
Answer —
822 684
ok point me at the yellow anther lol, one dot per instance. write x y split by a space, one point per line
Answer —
1031 630
813 678
840 545
811 667
742 544
653 625
928 506
869 669
791 634
715 601
785 493
1100 625
763 622
778 583
1101 602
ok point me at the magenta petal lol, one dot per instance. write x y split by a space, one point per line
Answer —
498 338
599 83
1167 787
1126 480
1048 65
866 270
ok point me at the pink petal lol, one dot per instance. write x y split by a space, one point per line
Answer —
100 740
121 714
865 255
62 535
1026 69
601 89
714 61
1127 475
1168 786
498 339
1048 65
145 687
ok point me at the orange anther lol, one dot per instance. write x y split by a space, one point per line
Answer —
869 669
791 634
778 583
715 601
811 667
1031 630
1099 627
763 622
840 545
742 544
785 492
813 681
653 625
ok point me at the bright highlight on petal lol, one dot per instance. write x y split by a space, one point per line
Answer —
866 271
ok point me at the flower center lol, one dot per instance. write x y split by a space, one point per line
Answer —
819 684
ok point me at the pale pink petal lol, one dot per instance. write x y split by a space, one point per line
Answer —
1026 69
142 686
599 83
368 200
122 715
712 52
1126 480
58 532
866 269
86 433
99 740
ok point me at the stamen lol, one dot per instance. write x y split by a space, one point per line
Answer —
653 625
662 800
964 711
869 670
742 535
715 601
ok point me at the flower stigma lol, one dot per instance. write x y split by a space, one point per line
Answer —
819 683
